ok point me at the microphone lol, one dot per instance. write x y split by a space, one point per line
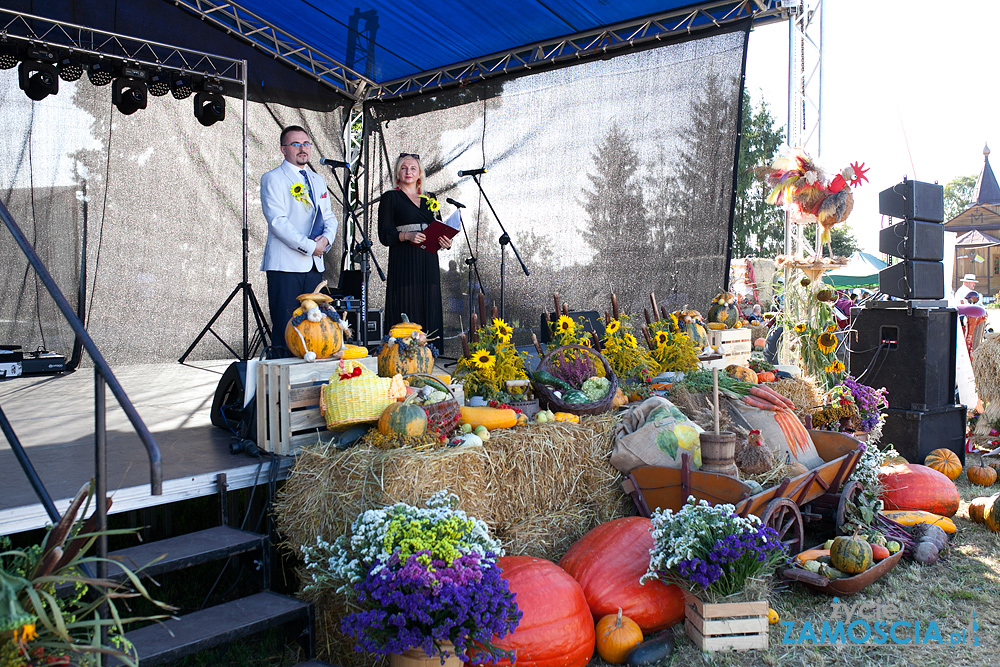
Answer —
472 172
454 203
335 163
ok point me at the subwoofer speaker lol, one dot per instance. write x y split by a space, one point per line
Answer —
909 351
227 407
913 279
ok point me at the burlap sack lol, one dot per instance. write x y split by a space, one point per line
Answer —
655 432
776 438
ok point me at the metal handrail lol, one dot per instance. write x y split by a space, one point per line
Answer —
101 368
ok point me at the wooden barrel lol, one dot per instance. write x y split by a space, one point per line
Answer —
717 453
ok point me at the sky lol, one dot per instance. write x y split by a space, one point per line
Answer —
908 88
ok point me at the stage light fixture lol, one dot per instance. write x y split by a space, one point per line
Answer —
100 73
209 108
158 84
180 86
128 95
69 69
8 55
38 80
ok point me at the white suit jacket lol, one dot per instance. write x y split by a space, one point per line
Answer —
289 221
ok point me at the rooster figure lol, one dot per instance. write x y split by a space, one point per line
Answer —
754 457
809 193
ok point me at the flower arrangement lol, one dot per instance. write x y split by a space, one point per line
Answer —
673 349
858 404
418 578
809 318
631 362
492 361
300 193
39 626
714 553
433 205
863 510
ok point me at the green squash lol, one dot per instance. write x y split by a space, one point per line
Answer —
724 310
851 554
403 419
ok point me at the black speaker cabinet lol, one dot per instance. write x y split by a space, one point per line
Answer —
916 433
374 326
910 352
913 279
592 321
912 239
227 407
913 200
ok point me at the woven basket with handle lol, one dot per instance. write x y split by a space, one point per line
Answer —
547 394
442 417
356 400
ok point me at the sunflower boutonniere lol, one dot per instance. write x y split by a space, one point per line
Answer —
299 192
433 205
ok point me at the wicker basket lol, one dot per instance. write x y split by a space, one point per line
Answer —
356 400
442 418
547 394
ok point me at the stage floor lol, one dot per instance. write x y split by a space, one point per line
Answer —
53 418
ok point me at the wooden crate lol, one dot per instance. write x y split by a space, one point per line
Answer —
733 344
719 627
288 395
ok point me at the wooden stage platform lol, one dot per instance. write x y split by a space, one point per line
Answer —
53 417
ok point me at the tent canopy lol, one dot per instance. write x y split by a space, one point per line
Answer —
861 271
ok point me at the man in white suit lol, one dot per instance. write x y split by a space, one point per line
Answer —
300 229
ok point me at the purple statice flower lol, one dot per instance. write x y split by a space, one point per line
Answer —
869 401
412 605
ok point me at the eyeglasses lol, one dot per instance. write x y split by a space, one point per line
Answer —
297 144
412 155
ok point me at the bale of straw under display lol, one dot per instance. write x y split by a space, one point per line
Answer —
802 391
538 487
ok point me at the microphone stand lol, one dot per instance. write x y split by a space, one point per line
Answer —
473 268
504 242
359 255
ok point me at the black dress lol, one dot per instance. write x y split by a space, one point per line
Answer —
413 284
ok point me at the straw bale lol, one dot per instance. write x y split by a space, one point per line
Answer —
759 331
986 369
538 487
802 391
697 406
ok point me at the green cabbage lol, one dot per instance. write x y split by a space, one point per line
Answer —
596 388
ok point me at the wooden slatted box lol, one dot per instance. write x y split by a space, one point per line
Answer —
733 344
720 627
288 396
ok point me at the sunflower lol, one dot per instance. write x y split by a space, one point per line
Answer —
483 359
827 342
565 325
433 205
585 341
503 329
835 368
832 328
298 191
799 328
661 338
631 341
612 327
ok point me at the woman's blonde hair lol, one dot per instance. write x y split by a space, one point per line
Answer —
399 163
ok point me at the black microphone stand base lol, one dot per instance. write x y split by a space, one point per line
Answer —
262 335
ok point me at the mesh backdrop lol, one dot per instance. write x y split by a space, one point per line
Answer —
154 201
612 176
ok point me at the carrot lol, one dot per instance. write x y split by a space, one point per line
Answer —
795 433
761 404
784 400
760 393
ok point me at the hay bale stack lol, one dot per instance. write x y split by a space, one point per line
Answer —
802 391
538 487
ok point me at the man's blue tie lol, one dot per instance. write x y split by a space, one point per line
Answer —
317 224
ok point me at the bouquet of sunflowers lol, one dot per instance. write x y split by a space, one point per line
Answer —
673 349
491 362
809 318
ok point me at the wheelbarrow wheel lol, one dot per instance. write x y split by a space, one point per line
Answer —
784 516
848 496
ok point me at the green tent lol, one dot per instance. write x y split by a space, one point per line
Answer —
861 271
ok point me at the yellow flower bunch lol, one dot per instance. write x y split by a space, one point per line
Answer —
300 193
433 205
628 359
492 362
811 322
673 350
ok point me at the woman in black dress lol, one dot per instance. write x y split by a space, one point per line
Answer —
413 285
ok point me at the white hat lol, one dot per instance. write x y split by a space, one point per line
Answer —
969 278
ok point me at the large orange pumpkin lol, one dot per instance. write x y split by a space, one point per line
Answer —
608 562
556 629
324 338
911 486
945 462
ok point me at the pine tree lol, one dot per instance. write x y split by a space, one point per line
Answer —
758 227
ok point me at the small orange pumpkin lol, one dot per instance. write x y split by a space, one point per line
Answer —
305 337
944 461
982 475
616 636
